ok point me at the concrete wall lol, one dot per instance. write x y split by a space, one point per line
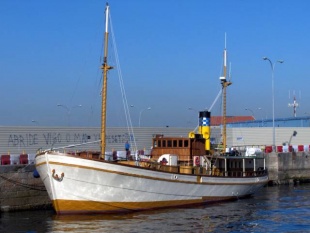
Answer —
286 167
19 190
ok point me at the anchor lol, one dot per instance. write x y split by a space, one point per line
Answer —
56 177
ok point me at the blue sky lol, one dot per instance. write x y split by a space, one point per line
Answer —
170 53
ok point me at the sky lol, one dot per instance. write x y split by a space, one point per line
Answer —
170 54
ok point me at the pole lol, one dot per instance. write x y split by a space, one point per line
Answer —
105 67
273 105
149 108
247 109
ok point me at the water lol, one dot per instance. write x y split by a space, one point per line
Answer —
274 209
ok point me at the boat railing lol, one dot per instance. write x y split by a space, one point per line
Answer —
200 170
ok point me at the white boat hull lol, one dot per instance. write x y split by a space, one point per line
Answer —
96 186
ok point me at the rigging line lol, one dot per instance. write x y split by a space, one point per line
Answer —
98 84
29 186
21 170
123 92
70 146
217 97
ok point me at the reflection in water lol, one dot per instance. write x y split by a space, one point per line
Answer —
274 209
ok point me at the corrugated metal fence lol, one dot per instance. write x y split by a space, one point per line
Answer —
17 140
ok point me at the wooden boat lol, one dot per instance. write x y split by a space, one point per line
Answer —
180 172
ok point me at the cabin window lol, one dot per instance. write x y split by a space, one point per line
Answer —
186 143
175 143
164 143
159 143
169 143
180 143
221 164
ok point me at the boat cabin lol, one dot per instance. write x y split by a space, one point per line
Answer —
185 148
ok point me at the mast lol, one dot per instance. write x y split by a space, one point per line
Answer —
225 84
105 67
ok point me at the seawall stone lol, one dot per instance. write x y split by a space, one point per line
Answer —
285 168
19 190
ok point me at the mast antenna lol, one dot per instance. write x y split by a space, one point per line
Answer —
295 104
225 84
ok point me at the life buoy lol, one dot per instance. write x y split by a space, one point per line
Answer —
197 161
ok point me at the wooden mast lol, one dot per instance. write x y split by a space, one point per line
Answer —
225 84
105 67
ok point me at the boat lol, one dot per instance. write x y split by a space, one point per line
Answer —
180 171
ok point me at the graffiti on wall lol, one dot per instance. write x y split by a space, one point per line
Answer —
57 138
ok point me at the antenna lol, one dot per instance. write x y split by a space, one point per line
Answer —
224 84
295 105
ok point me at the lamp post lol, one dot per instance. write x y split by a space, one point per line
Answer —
272 65
68 110
35 122
149 108
194 110
261 116
251 112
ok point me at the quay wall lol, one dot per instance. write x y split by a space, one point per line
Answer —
19 190
288 167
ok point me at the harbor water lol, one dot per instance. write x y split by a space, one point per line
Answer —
283 208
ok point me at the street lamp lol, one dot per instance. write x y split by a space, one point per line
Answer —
261 116
192 109
68 110
35 122
251 112
272 84
149 108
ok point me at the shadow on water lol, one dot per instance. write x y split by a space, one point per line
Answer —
25 221
274 209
